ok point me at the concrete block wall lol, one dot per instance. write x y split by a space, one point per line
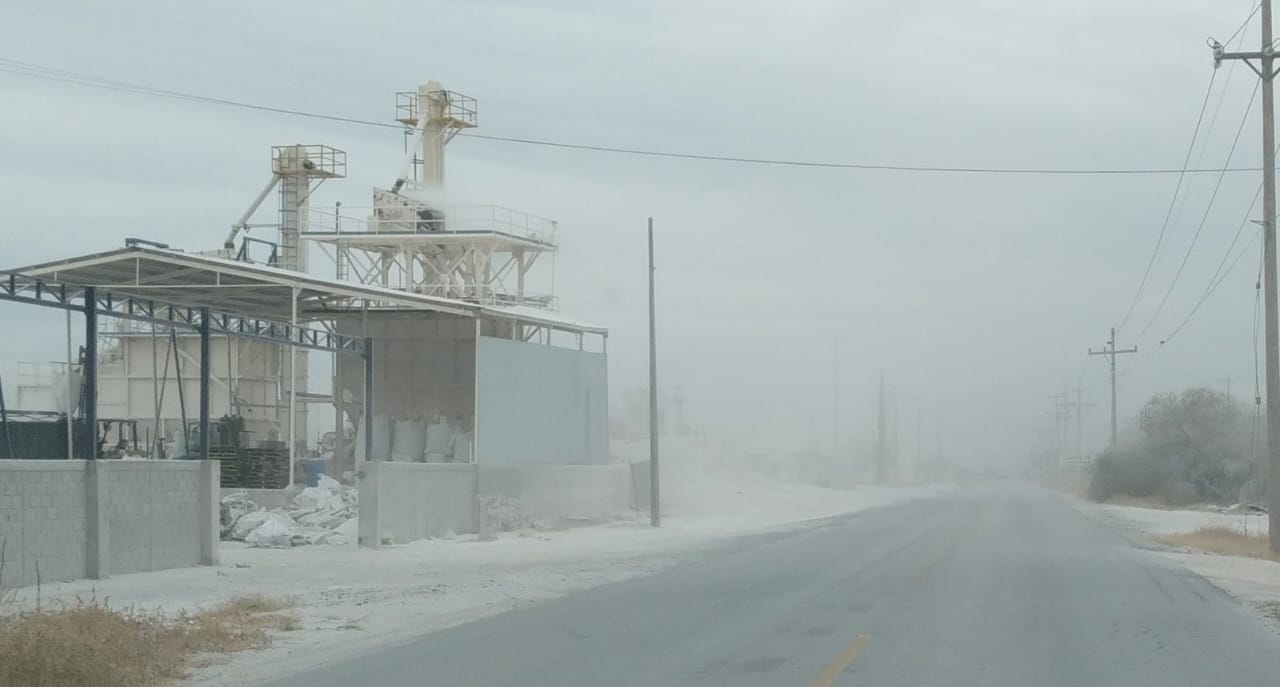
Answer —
44 525
153 514
77 519
404 502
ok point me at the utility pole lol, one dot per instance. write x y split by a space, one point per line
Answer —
919 453
880 435
1059 423
1080 405
1265 69
1110 352
835 409
655 501
897 444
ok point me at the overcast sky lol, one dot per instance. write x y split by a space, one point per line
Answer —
976 295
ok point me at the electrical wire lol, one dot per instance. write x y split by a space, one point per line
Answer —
27 69
1205 217
1153 352
1213 121
1244 24
1164 228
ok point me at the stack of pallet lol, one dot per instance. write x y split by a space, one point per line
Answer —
253 468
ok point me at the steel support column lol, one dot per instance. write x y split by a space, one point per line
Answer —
368 398
204 383
90 370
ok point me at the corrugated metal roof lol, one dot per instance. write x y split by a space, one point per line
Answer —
259 290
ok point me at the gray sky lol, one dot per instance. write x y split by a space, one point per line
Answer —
976 295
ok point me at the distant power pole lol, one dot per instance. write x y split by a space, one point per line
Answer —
880 435
919 453
897 443
655 490
1266 70
1080 405
1110 352
835 410
1059 423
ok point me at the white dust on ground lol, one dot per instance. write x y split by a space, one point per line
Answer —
1254 581
352 600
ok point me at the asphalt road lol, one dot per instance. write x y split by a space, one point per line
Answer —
1001 584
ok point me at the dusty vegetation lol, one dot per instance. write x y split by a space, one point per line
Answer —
1199 446
1270 609
1220 540
88 643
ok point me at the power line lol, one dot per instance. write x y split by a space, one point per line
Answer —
1213 121
1204 218
47 73
1213 287
1146 273
1244 24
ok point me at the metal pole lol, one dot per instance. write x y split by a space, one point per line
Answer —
4 425
368 398
1269 273
90 371
204 383
293 373
182 395
71 399
655 501
154 444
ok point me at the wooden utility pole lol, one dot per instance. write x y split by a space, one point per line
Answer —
1110 352
835 408
1079 406
880 435
655 500
1262 63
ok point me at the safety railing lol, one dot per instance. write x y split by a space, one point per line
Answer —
423 219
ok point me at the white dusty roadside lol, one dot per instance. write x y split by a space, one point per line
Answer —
1252 580
351 600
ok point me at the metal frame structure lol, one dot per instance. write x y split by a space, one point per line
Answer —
468 253
93 302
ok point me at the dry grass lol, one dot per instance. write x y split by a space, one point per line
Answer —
1220 540
87 643
1270 609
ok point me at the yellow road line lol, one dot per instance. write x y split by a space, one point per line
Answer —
842 661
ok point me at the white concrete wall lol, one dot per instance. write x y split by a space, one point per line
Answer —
70 519
558 494
408 501
540 405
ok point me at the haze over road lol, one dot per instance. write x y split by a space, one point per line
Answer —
999 584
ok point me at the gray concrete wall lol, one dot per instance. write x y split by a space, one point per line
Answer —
66 520
640 485
540 405
404 502
557 494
